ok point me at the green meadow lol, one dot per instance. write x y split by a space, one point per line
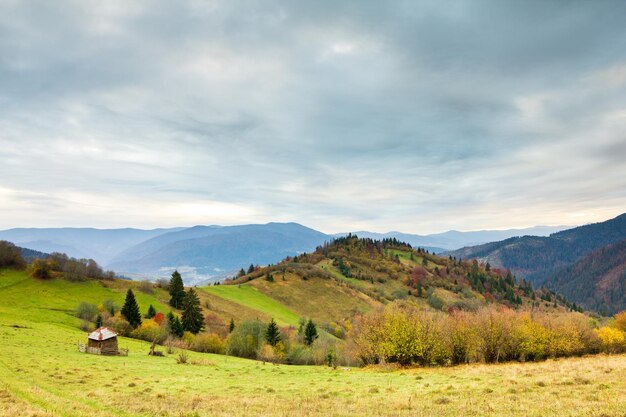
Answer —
43 374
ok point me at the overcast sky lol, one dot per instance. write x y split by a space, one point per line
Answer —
340 115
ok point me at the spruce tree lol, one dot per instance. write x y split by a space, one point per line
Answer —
272 334
99 321
231 326
241 272
193 320
177 290
130 311
175 325
151 312
310 333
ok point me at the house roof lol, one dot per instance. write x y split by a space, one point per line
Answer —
102 334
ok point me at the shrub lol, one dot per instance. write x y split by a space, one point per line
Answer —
620 321
159 318
10 256
150 331
246 339
299 355
435 301
110 307
182 357
611 339
86 311
146 287
163 283
41 268
118 324
208 343
266 353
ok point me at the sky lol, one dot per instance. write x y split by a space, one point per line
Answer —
417 116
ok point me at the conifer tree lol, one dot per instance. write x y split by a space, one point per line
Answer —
151 312
272 334
177 290
250 269
130 311
193 320
99 321
175 325
231 326
241 273
310 333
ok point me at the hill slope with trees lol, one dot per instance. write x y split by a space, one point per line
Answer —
534 258
597 281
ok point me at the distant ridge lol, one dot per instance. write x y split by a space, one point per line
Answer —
533 257
207 253
453 239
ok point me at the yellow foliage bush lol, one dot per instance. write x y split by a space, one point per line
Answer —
611 339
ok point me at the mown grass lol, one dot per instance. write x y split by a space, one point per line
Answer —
251 298
43 374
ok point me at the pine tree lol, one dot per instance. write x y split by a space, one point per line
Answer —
250 269
99 321
151 312
310 333
131 310
193 320
241 273
175 325
272 334
177 290
231 326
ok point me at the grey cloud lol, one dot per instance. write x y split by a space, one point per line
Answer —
409 115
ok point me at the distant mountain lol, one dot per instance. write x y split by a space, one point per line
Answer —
99 244
205 252
29 255
535 257
597 280
454 239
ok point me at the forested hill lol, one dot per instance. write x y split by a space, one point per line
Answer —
597 281
387 270
536 257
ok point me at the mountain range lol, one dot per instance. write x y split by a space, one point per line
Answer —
213 252
586 263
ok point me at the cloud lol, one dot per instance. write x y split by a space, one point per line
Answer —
353 115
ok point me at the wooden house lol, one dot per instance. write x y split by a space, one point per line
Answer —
103 341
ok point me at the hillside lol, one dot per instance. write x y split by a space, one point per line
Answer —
596 281
351 275
535 257
203 252
43 374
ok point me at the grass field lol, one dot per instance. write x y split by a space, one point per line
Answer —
43 374
250 297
